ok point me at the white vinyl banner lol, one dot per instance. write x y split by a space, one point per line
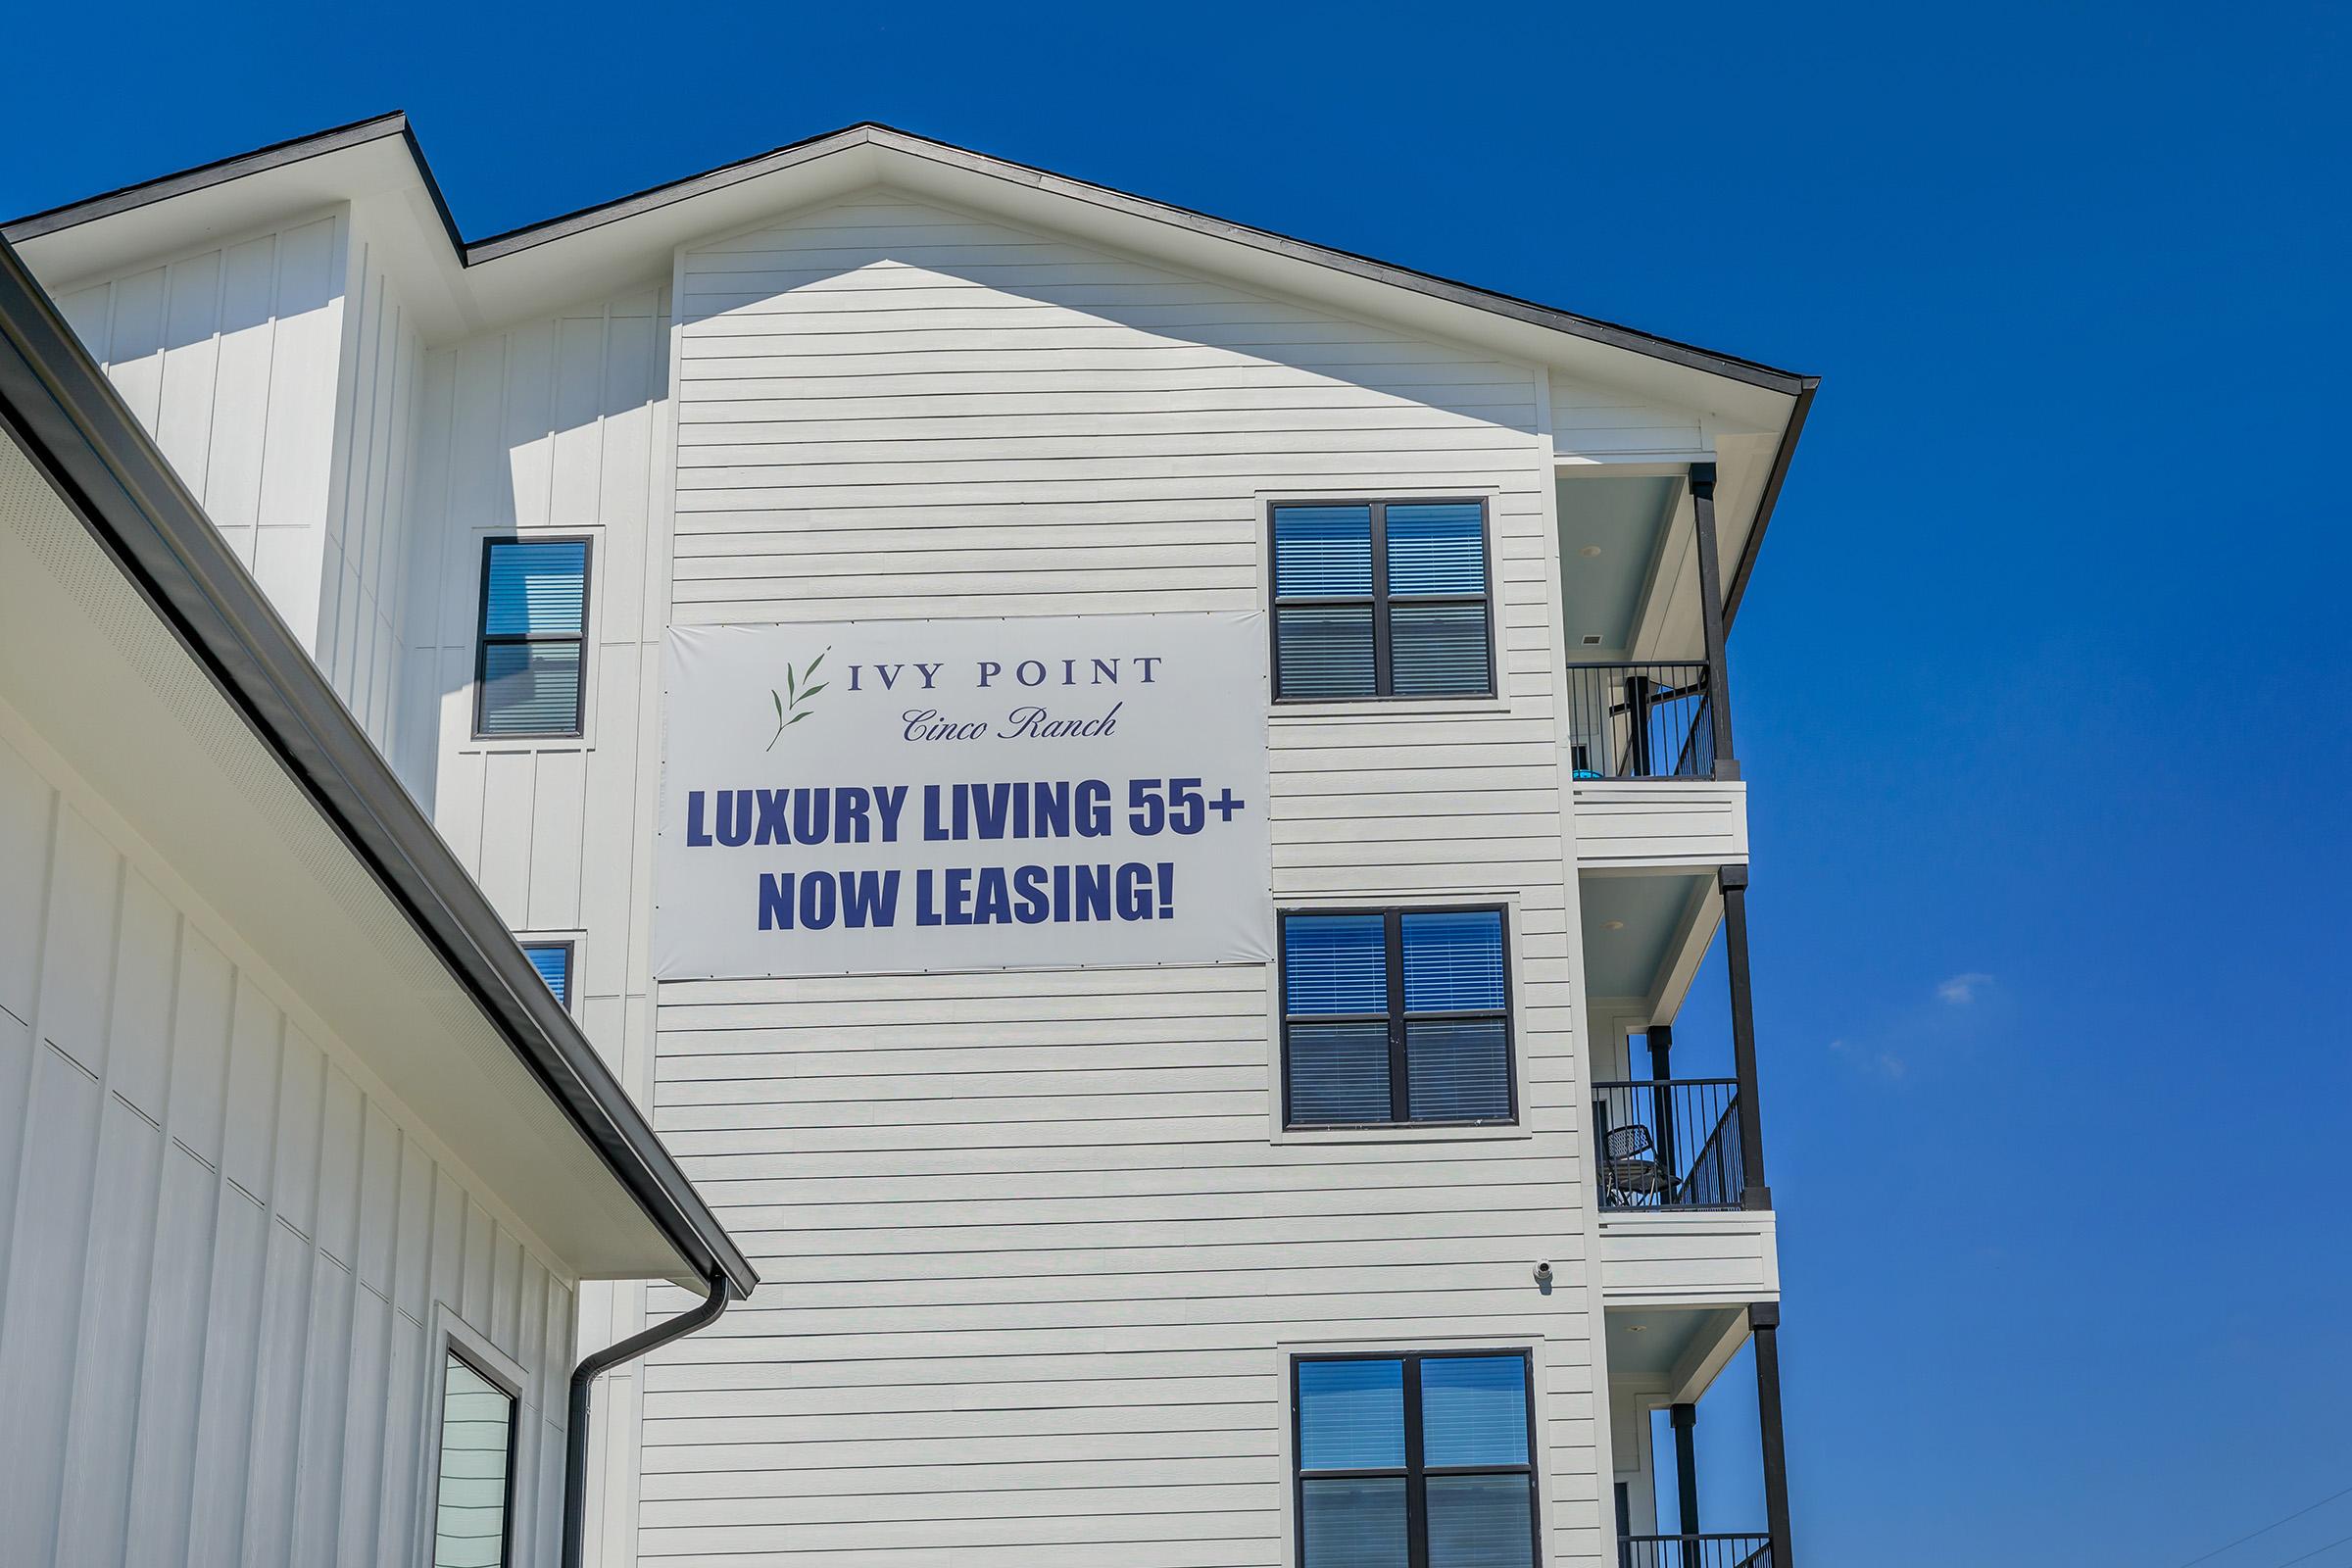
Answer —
897 796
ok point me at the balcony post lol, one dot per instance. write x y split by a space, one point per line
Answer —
1764 1326
1661 1103
1710 616
1733 879
1685 1418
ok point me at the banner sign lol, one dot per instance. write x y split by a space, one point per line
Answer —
895 797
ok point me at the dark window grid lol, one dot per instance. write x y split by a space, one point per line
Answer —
1415 1473
1396 1018
485 640
1380 599
505 1535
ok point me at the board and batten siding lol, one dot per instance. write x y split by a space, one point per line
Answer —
277 373
364 575
550 429
1034 1246
228 356
224 1255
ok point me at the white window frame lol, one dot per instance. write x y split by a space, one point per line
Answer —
450 1332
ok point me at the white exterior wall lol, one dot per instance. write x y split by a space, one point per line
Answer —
226 1255
1036 1245
229 356
557 427
278 375
363 571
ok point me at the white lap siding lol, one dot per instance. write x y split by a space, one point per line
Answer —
1032 1243
223 1255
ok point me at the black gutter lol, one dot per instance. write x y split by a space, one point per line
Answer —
93 450
575 1430
873 132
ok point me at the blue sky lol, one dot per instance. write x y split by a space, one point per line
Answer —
2040 684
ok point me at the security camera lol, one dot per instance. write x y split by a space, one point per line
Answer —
1542 1273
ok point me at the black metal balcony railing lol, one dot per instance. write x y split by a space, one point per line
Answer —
1695 1551
1640 721
1669 1144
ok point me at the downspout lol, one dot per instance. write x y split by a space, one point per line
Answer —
575 1435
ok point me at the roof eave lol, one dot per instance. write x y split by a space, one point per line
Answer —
134 505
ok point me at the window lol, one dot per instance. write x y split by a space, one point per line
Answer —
1396 1015
553 961
1414 1462
1381 599
476 1494
527 673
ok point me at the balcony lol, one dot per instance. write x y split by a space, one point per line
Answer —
1695 1551
1669 1144
1667 1393
1676 1140
1641 754
1640 722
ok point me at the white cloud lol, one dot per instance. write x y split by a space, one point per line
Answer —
1872 1058
1961 989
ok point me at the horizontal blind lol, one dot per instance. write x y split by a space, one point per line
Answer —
1474 1410
1454 961
536 588
1438 549
1351 1415
553 961
530 688
1334 964
1322 551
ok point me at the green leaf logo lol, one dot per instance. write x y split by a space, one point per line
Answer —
792 702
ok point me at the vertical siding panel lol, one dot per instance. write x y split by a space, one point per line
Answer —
574 453
367 1421
77 954
139 1050
39 1315
475 1289
224 1451
403 1445
162 1470
183 425
109 1371
559 807
529 424
233 494
505 871
135 344
90 311
24 814
256 1042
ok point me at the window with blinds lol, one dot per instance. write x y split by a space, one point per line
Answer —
1414 1462
474 1493
1395 1016
528 669
1382 598
553 961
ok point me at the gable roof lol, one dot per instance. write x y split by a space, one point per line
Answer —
456 286
871 133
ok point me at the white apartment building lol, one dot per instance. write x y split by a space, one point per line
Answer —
1136 799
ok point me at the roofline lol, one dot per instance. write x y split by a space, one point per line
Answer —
1781 458
91 448
873 133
